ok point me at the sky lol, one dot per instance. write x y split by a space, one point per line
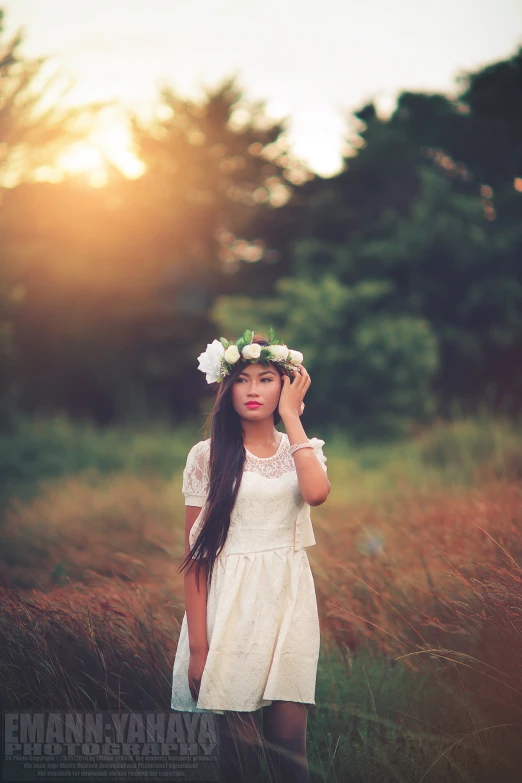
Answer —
315 62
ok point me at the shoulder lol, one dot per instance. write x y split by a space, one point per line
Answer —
201 445
199 451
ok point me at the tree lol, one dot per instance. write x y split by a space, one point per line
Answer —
31 133
371 370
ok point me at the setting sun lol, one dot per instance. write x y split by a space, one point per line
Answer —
109 144
84 158
115 141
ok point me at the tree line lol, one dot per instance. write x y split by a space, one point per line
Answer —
399 278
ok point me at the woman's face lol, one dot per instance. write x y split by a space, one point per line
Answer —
256 383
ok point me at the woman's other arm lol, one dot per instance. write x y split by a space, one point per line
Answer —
196 609
195 598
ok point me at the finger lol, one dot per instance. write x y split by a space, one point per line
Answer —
306 376
300 374
304 386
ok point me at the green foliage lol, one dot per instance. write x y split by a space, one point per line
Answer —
462 275
492 126
43 448
421 279
39 449
370 372
456 448
245 339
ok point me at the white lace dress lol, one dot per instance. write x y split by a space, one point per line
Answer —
262 619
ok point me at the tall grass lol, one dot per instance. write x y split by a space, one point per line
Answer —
434 584
38 448
418 573
101 646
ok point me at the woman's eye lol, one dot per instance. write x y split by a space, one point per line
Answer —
240 380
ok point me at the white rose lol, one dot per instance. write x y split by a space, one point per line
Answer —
210 361
296 357
232 354
251 351
279 351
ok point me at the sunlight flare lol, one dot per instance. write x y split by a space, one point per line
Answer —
109 144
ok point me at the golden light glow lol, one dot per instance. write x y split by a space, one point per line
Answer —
108 144
114 139
82 157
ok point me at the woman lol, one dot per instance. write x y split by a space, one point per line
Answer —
250 640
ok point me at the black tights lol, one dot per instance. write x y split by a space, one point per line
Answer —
282 744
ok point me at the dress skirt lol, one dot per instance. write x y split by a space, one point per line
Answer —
263 634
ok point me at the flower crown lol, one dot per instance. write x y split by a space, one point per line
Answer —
221 355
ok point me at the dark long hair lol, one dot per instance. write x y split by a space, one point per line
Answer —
227 459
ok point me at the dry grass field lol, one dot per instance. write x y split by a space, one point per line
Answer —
418 572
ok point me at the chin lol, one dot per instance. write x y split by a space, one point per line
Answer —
259 412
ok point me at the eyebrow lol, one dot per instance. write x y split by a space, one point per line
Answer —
265 372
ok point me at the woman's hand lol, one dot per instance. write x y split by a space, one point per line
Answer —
196 666
292 392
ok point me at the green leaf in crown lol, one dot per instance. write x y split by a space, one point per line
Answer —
216 367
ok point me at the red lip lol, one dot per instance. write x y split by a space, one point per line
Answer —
253 404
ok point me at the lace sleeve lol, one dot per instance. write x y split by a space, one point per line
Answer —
318 451
195 475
